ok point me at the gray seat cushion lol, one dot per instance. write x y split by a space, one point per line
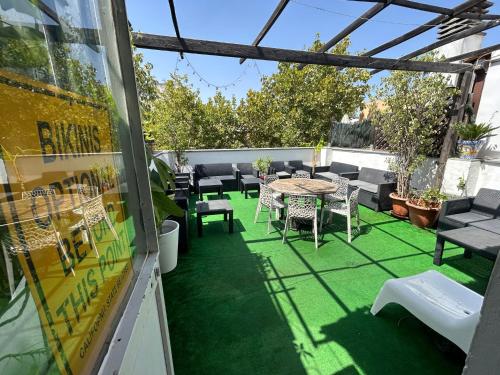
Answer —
247 176
223 178
466 218
327 175
372 188
283 174
489 225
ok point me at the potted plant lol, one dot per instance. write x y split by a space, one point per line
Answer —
262 165
471 137
414 107
161 180
424 207
316 154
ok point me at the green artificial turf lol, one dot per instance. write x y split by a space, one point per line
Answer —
244 303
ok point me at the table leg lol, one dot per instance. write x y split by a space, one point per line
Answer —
246 192
322 197
200 225
438 251
221 192
225 216
201 194
230 221
467 253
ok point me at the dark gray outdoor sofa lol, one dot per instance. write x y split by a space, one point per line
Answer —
458 213
376 185
278 168
295 166
472 223
328 172
245 170
219 171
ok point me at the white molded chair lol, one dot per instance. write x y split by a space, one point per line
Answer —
449 308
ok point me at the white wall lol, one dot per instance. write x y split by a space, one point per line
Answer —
489 107
242 155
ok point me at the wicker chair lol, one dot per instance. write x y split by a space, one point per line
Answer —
93 212
302 207
270 178
266 199
341 193
347 208
301 174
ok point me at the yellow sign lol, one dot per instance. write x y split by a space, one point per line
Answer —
66 214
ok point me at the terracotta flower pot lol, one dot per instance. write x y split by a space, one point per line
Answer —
399 207
422 217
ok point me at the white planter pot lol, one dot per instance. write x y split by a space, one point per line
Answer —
168 242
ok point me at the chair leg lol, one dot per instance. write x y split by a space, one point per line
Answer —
315 228
257 212
269 218
286 228
330 217
357 220
349 228
112 228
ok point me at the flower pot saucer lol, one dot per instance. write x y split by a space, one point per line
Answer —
398 216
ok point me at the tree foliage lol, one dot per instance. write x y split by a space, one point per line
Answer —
294 107
416 104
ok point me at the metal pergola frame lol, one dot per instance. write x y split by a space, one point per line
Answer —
481 358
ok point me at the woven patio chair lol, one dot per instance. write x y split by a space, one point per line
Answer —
267 200
301 174
347 208
35 236
341 193
93 211
302 207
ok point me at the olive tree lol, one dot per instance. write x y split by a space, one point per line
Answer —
416 105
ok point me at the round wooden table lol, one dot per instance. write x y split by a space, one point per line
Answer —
304 186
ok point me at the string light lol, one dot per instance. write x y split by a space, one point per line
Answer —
355 17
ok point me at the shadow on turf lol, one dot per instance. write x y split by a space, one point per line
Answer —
222 317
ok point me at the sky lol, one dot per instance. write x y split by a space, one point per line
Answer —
239 21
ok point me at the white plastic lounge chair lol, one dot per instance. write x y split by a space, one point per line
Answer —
449 308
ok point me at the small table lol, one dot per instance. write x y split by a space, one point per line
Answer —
214 207
209 186
483 242
250 183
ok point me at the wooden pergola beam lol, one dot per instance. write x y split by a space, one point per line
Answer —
174 21
474 54
270 22
422 29
353 26
205 47
442 42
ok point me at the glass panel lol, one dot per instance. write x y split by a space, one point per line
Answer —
66 230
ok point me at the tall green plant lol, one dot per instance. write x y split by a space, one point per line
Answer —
416 105
161 179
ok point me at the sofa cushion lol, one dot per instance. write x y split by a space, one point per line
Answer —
223 178
218 169
489 225
487 201
376 176
327 175
337 168
297 164
247 176
466 218
245 168
372 188
277 166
